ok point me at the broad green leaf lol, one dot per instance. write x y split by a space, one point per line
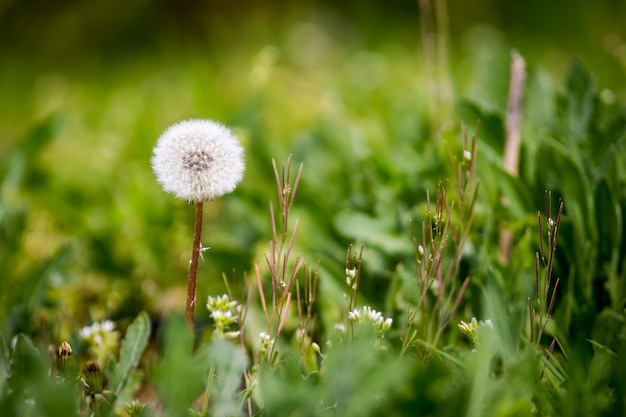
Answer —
179 376
577 104
26 363
230 363
132 347
27 372
30 380
606 140
371 231
491 123
20 160
600 368
607 220
565 173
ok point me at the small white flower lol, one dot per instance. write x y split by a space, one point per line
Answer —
198 160
380 323
467 155
355 316
108 326
340 327
96 329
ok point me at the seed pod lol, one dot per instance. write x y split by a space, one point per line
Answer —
94 378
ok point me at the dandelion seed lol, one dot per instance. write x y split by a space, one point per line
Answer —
198 160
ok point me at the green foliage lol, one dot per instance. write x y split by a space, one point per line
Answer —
180 375
228 365
85 234
132 347
31 391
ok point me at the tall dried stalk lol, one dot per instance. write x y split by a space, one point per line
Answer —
545 292
439 297
513 140
433 16
305 302
283 270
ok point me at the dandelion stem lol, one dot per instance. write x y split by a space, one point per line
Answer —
193 265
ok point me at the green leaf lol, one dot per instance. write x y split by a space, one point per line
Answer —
179 376
371 231
577 105
600 368
26 363
491 123
30 381
608 220
4 366
20 160
27 372
133 345
230 364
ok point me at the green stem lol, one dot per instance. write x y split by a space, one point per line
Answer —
207 392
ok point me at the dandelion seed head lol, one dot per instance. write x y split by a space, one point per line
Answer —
198 160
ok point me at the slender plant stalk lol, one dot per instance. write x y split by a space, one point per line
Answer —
513 140
207 391
433 16
193 266
279 257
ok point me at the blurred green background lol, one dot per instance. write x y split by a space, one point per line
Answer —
87 87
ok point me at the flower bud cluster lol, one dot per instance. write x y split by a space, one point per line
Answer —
470 329
266 344
102 339
224 312
351 278
367 314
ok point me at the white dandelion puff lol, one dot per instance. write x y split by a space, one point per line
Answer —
198 160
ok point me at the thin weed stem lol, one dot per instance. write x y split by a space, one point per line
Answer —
440 296
283 269
545 292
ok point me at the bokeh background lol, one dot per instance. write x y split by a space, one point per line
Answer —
348 88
